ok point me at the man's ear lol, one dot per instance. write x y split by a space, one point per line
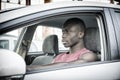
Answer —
81 34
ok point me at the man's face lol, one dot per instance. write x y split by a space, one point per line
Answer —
71 36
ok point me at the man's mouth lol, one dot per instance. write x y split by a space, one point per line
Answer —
64 42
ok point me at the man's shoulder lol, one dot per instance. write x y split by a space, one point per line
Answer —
90 56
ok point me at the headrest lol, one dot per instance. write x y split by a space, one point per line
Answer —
11 63
50 45
92 39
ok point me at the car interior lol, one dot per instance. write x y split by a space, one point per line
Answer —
50 45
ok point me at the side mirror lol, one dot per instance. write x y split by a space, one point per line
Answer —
11 64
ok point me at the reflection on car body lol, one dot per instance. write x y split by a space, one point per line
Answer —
102 37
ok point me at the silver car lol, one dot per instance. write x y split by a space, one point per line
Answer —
44 23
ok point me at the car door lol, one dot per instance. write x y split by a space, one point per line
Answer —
104 69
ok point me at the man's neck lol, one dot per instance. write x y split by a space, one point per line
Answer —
77 47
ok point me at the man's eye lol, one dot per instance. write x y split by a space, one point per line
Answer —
64 31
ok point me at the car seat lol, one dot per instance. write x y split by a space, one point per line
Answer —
50 49
92 40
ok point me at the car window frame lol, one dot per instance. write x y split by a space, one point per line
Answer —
72 13
100 24
29 21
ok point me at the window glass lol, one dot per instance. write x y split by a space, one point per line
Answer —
4 44
33 48
9 39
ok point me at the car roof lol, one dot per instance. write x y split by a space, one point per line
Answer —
19 12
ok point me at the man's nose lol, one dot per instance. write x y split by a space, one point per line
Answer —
64 35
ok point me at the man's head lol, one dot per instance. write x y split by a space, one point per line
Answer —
73 32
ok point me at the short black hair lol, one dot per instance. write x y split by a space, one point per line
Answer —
75 21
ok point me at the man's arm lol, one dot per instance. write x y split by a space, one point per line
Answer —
37 67
87 57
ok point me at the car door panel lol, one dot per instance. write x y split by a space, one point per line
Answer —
107 70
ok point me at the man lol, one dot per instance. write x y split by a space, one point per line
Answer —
73 33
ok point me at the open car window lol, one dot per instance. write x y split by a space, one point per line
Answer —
53 26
